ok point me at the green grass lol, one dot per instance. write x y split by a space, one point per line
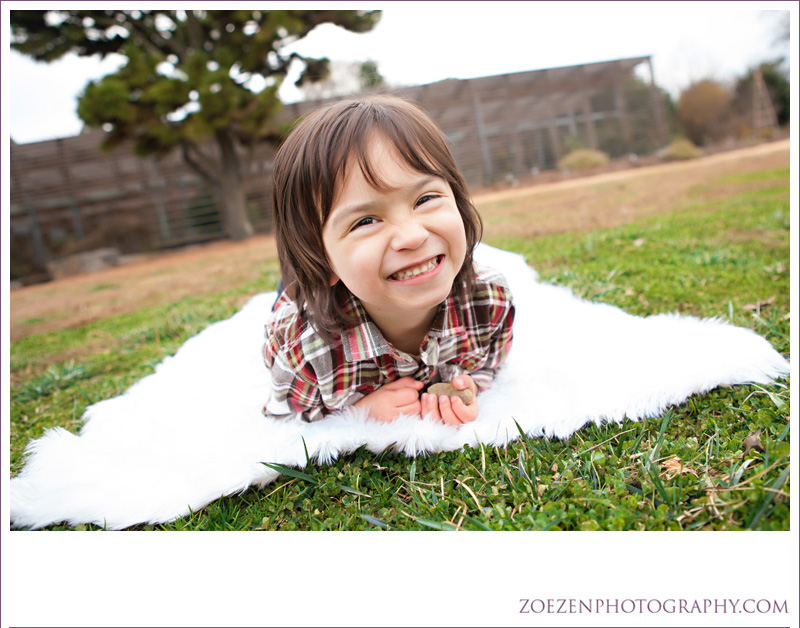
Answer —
720 259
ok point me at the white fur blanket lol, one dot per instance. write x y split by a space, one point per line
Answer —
193 431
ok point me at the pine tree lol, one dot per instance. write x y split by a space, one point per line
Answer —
192 79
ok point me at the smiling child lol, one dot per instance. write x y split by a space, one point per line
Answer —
375 233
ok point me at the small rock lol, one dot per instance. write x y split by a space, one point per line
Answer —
753 441
445 388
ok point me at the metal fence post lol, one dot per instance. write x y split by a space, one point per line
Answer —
158 200
64 165
487 157
657 109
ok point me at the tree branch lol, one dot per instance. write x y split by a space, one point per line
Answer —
203 169
194 30
152 39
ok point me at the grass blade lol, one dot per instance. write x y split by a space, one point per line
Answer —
348 489
291 472
478 524
768 498
437 525
377 522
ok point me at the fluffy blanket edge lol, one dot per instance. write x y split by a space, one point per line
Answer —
193 432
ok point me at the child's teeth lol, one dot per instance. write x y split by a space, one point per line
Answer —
417 270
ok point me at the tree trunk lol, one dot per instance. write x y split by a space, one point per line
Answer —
231 191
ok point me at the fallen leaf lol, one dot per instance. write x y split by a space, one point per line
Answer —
753 441
673 466
758 305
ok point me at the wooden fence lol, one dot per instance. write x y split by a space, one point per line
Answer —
67 196
513 125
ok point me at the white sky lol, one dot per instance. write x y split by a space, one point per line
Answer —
423 42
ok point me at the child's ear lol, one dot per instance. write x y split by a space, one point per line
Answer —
333 279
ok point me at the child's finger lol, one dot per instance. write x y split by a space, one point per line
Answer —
411 408
446 410
405 382
410 383
464 413
462 382
430 405
405 396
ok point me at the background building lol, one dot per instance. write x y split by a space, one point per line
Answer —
69 197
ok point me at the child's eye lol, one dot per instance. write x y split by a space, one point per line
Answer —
363 222
425 198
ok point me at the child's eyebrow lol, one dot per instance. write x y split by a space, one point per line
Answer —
340 214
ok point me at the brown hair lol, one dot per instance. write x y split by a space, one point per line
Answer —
312 162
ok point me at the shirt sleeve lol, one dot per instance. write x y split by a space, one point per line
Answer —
294 390
292 394
500 342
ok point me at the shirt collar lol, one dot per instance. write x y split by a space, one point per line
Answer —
364 341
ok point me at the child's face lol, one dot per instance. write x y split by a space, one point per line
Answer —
397 250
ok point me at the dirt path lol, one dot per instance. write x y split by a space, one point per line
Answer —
585 203
615 198
747 154
163 278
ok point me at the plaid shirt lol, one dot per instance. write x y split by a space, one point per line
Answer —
313 378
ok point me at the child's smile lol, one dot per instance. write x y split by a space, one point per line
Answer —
419 272
398 248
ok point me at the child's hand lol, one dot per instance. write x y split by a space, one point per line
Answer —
390 400
451 410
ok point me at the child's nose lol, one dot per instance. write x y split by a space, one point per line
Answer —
409 234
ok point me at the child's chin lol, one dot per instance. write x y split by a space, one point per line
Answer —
429 299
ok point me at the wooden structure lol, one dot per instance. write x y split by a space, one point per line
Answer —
67 196
763 120
511 125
